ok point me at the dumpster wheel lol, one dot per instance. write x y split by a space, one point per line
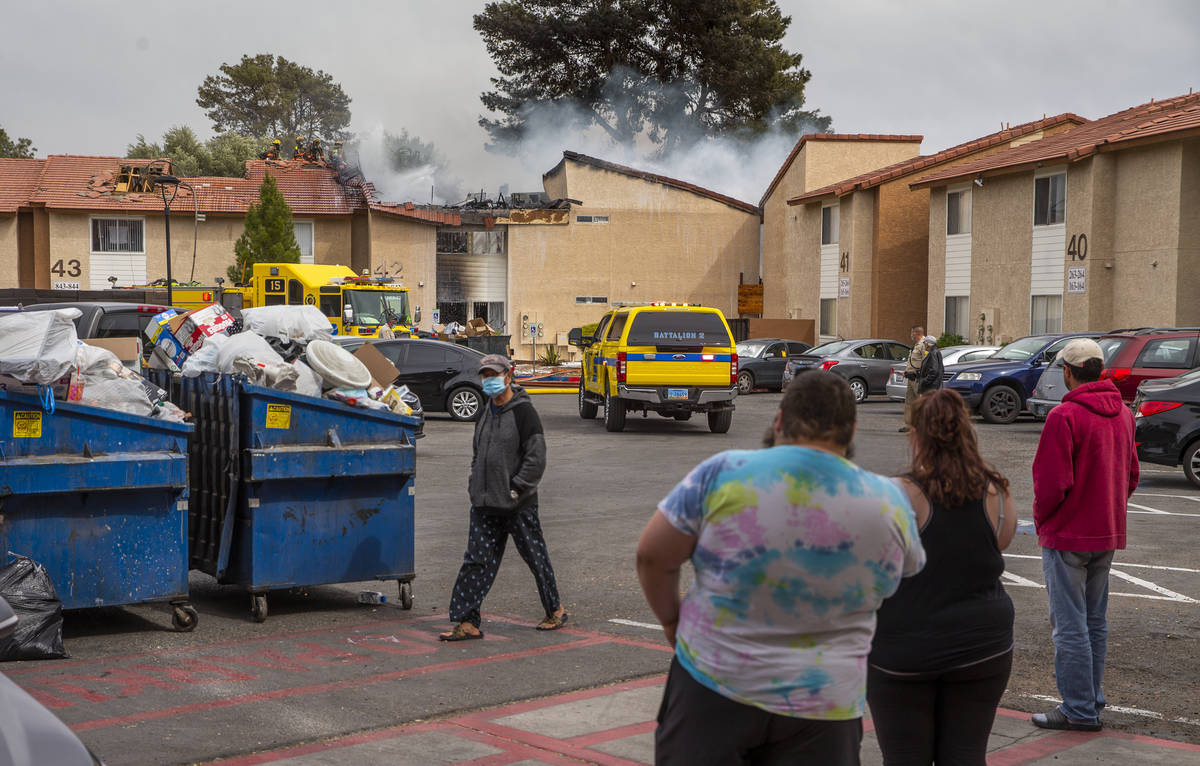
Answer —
258 606
184 617
406 595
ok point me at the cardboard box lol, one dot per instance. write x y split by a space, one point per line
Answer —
383 372
196 326
158 323
478 327
127 350
170 348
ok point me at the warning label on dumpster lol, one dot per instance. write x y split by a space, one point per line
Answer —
27 425
278 416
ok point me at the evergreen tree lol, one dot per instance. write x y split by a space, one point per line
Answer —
269 236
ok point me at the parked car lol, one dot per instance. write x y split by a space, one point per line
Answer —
30 734
1167 413
444 376
865 364
1124 347
999 386
897 385
108 319
762 362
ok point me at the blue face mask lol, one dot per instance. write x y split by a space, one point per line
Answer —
494 386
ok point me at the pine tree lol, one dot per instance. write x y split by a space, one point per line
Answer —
269 236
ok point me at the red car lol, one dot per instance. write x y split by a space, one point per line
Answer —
1148 354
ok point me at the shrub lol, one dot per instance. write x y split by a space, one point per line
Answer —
951 339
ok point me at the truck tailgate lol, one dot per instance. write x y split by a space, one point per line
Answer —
659 368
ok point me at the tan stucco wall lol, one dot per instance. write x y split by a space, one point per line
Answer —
856 238
935 295
785 254
406 250
331 241
9 253
555 182
675 245
901 262
1187 297
1001 253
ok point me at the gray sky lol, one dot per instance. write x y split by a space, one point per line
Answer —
84 77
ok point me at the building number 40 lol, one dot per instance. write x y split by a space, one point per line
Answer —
71 268
1077 248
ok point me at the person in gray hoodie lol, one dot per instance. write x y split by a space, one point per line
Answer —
509 459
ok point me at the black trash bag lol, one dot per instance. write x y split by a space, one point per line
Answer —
28 589
288 348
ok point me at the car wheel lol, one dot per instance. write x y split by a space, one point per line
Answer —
745 382
720 420
464 403
1001 404
614 414
858 387
1191 463
587 408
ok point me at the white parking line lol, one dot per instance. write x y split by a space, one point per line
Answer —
635 624
1120 563
1119 709
1193 498
1169 595
1018 580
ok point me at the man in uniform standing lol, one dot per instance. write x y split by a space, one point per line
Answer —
912 374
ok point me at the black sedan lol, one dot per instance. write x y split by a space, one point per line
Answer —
1168 423
761 362
865 364
444 376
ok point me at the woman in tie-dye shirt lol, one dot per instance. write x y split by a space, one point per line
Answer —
794 547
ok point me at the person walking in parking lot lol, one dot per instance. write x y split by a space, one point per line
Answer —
929 377
912 374
508 462
1084 472
942 651
794 547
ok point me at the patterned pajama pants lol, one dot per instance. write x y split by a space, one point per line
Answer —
485 548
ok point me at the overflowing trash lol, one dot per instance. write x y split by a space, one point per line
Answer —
288 348
476 328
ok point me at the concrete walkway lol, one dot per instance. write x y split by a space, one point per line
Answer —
614 726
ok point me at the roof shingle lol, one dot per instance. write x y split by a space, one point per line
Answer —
916 164
746 207
1154 119
804 139
18 179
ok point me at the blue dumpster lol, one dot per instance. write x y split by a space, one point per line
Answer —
293 490
99 498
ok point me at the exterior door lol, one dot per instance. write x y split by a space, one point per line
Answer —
876 364
591 368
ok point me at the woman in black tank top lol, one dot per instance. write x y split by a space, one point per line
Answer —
943 644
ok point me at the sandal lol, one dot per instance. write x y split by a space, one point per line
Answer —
459 633
553 621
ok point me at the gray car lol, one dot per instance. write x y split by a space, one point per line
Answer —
865 363
1051 387
897 385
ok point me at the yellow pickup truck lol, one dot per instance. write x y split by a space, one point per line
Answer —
670 358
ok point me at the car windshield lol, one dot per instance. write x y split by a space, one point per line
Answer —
374 306
1020 350
749 349
828 348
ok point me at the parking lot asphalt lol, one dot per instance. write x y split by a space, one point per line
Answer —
325 666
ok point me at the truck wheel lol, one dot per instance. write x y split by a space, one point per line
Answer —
464 403
720 420
1191 463
614 413
587 408
745 382
858 387
1001 404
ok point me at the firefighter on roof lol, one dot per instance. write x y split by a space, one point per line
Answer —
298 151
272 151
315 152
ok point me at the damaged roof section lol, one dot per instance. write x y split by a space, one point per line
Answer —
746 207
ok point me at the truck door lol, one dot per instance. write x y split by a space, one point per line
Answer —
591 356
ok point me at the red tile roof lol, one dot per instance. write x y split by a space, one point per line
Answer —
746 207
1157 119
72 182
917 164
18 179
804 139
409 210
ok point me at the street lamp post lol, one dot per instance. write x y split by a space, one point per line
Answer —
163 182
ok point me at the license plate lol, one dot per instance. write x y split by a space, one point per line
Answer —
677 393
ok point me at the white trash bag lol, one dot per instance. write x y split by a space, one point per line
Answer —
38 347
302 323
245 345
206 359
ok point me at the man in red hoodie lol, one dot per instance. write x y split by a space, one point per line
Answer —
1085 469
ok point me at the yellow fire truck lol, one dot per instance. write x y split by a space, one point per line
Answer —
355 305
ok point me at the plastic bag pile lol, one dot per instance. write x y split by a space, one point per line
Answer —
287 348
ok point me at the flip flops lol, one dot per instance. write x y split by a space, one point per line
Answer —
458 633
553 621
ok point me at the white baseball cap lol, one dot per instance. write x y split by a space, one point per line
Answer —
1078 351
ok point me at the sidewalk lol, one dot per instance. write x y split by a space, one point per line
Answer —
614 726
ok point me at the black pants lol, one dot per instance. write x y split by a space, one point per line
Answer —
697 726
943 718
485 549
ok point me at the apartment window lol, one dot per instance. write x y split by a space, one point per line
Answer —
304 238
591 219
118 235
829 225
958 212
1050 200
828 316
957 318
1045 314
452 241
487 242
591 299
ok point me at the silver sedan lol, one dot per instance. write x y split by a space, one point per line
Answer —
896 384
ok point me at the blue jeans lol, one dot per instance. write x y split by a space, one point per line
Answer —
1077 583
